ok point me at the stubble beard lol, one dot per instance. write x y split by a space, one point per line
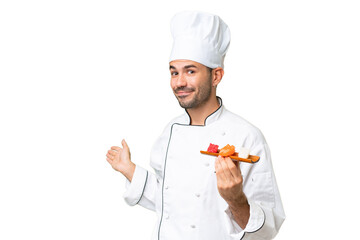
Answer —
199 98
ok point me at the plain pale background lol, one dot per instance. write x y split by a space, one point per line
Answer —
79 76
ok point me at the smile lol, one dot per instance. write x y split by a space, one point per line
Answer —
183 93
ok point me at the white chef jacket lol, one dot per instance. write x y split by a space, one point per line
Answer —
183 191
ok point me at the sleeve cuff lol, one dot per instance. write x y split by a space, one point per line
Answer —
257 218
135 188
256 221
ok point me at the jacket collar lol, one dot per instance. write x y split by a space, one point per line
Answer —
212 117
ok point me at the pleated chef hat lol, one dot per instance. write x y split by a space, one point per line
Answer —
200 37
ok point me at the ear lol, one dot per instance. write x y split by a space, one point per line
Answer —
217 74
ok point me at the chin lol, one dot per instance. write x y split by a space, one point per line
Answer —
187 104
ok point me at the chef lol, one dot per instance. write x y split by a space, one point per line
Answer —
197 196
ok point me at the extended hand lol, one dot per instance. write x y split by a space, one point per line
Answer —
120 160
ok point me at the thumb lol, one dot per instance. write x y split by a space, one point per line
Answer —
124 144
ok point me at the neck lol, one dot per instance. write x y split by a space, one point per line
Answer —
200 113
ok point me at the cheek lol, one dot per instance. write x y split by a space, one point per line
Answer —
199 83
172 83
193 82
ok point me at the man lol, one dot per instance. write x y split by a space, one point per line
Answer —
198 196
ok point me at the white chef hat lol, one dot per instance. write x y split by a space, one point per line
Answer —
200 37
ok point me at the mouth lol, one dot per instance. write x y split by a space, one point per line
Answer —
183 94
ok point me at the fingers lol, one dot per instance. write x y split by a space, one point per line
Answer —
111 152
232 167
226 170
109 160
116 148
237 163
221 173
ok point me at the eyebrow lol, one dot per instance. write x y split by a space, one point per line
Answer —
190 66
186 67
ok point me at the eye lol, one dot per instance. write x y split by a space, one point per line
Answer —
191 71
174 73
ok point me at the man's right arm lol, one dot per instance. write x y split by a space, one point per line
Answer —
142 189
129 172
140 184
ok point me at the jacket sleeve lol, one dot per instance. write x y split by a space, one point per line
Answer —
141 190
266 210
145 186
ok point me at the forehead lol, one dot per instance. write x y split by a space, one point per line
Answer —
178 64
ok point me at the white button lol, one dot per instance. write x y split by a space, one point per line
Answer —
206 164
192 226
166 187
167 216
197 194
223 133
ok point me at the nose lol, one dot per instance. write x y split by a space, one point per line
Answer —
180 81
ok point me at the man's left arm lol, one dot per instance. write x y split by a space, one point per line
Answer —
257 213
230 186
